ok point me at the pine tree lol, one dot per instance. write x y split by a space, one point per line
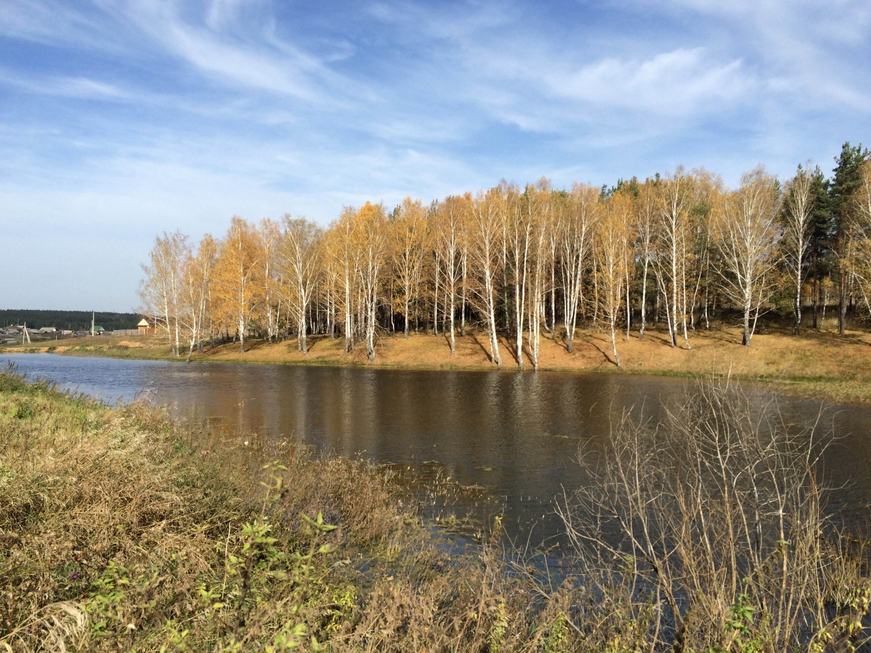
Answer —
845 182
819 259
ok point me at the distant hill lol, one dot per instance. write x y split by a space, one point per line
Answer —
73 320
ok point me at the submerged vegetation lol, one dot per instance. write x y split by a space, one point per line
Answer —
121 529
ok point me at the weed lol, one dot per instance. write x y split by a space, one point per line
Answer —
22 409
557 636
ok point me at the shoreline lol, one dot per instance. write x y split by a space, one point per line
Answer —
816 364
123 526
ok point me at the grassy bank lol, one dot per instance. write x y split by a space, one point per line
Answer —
122 530
119 531
819 364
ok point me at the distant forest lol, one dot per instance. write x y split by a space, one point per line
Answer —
73 320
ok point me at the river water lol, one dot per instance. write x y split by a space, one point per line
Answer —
508 441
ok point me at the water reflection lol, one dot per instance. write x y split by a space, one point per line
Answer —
515 435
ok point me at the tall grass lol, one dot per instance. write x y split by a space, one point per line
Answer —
121 529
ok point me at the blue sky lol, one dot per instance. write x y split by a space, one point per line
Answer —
123 119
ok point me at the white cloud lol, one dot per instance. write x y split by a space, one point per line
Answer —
238 48
672 83
221 14
230 60
82 88
51 22
808 52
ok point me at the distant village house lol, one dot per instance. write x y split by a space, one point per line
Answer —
146 328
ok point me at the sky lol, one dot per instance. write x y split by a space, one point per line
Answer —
124 119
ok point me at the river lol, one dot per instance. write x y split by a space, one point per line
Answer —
507 441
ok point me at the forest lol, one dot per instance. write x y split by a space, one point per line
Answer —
678 250
72 320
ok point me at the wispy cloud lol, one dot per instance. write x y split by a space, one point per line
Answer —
123 118
514 70
236 44
227 59
803 49
675 83
54 23
82 88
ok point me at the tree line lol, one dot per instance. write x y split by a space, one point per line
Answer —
531 262
73 320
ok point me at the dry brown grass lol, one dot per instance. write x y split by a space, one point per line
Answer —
118 516
120 531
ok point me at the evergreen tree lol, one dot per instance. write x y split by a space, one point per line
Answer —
844 183
819 258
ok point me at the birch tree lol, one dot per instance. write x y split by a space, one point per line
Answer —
300 258
519 218
541 203
162 289
269 239
645 222
706 189
746 235
484 251
675 202
371 238
582 211
197 280
238 288
557 217
344 261
797 217
408 251
613 255
449 223
331 287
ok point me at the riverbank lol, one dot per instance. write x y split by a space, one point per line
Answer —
121 529
817 364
